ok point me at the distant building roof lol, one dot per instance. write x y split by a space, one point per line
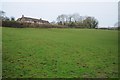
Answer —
31 20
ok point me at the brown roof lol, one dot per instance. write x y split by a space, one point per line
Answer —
28 18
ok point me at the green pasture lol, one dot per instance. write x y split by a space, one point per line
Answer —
59 53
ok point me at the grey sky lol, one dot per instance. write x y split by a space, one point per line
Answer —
105 12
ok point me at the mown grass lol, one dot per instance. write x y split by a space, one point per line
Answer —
59 53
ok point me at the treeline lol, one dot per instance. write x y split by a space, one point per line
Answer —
62 21
11 22
77 21
16 24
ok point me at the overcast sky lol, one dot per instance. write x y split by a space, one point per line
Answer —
105 12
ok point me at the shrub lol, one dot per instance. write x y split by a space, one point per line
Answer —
16 24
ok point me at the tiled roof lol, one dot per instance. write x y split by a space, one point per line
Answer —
33 19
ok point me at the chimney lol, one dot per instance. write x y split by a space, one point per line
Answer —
22 16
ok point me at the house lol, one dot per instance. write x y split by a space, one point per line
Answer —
31 20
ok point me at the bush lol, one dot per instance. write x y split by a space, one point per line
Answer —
12 24
16 24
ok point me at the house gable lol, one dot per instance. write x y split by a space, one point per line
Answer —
32 20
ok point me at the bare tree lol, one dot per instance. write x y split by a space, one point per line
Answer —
61 19
70 18
12 18
2 15
90 22
76 17
75 20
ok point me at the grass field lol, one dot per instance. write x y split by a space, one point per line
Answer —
59 53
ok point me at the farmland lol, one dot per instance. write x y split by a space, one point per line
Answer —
59 53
